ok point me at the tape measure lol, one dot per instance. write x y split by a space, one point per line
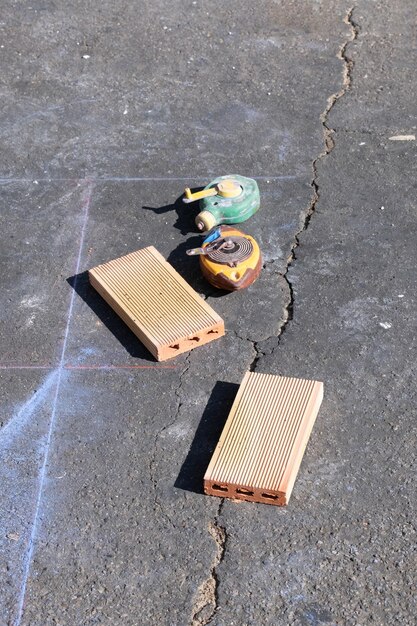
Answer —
229 259
230 199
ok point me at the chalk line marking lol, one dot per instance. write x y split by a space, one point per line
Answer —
19 419
138 179
31 543
98 366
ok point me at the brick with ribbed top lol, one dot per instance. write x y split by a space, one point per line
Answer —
262 444
157 304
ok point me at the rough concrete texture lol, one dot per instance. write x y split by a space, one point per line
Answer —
110 109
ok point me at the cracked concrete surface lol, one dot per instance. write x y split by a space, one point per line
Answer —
329 144
207 595
140 101
205 605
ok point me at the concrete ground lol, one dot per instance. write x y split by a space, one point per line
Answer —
109 110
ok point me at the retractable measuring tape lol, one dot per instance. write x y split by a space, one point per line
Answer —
229 259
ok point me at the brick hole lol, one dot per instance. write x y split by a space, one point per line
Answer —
195 338
244 492
269 496
176 346
219 487
213 332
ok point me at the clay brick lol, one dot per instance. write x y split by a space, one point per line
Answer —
262 444
157 304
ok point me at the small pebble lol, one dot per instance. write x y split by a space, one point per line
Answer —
385 325
13 536
403 138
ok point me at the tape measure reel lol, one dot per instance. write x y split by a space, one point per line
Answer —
229 259
229 199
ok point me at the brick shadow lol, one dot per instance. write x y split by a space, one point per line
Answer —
81 285
207 435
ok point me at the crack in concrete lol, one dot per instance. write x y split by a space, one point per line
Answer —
206 603
152 459
329 144
347 82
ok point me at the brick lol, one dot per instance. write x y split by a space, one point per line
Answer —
157 304
262 444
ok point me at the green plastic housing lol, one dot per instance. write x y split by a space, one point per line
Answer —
232 210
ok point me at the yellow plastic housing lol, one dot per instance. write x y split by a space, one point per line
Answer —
223 276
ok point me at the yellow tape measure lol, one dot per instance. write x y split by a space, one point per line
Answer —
229 259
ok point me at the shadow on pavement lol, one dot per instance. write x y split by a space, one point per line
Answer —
189 268
186 213
110 319
208 432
